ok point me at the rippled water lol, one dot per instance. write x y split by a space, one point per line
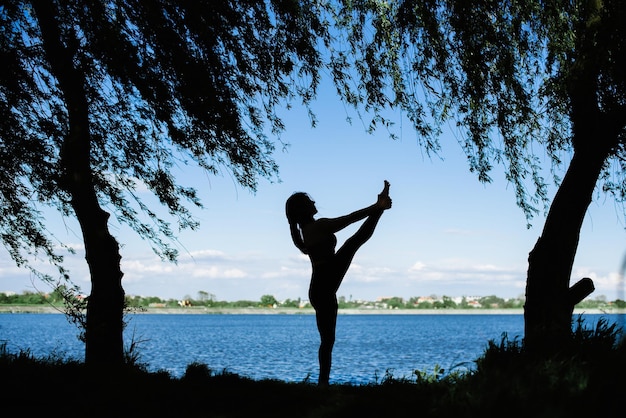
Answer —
283 346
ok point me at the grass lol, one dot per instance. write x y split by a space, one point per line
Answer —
587 379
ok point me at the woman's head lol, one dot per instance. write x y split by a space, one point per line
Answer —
299 209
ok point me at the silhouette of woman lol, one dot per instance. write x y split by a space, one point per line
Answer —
316 238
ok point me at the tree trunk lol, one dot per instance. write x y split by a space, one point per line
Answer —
549 299
104 327
595 136
548 308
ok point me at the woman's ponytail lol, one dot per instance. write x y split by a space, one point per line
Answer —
296 236
294 210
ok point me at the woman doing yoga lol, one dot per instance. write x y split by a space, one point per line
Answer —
316 238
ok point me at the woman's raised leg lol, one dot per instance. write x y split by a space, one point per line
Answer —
345 254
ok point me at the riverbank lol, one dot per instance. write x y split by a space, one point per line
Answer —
47 309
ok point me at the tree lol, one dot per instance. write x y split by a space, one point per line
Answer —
204 296
395 302
519 79
292 303
268 300
491 301
99 98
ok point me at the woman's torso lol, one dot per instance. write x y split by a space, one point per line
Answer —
320 241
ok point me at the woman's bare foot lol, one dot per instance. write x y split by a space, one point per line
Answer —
384 201
385 191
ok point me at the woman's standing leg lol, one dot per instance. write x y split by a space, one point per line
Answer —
326 318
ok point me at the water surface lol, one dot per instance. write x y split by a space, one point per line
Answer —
284 347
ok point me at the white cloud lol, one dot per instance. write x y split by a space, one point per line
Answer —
451 272
609 284
141 268
418 266
76 246
362 274
201 255
218 273
287 272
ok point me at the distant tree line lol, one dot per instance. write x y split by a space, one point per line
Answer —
31 298
208 300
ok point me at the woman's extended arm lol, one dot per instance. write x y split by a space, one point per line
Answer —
337 224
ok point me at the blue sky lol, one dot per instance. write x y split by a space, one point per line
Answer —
447 234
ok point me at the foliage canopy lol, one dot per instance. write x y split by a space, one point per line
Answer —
507 74
166 84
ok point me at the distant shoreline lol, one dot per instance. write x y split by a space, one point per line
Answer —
26 309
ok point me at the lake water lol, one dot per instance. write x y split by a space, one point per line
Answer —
284 347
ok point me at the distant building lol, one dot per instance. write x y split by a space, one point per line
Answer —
474 304
387 298
425 299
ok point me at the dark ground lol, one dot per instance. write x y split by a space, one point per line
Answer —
585 379
35 389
